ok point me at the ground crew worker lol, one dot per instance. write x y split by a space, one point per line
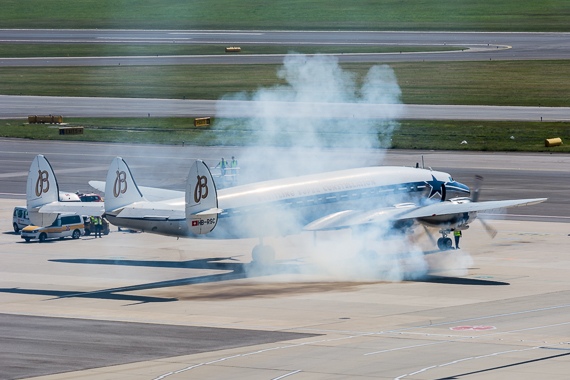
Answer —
222 165
97 222
234 165
457 235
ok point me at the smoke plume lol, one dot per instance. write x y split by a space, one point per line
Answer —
321 106
294 128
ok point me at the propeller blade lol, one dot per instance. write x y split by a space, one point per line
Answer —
477 188
490 229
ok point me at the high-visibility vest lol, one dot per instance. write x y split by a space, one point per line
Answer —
457 233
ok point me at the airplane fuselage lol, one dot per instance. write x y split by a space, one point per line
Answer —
284 206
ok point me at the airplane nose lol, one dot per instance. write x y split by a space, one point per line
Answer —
464 188
459 188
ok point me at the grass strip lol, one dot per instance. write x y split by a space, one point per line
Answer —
458 15
413 134
502 83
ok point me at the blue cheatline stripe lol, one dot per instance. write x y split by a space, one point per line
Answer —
332 197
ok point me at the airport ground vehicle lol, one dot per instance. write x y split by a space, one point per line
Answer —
91 197
20 218
63 226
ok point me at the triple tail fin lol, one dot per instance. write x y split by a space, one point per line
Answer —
120 187
41 189
201 199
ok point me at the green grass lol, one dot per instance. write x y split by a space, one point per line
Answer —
460 15
503 83
413 134
481 135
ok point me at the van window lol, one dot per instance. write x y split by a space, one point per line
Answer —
73 219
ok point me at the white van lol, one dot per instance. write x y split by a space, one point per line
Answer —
20 218
63 226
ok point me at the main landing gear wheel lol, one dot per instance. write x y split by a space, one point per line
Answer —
263 254
444 243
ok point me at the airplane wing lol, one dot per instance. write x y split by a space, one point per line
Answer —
77 208
449 208
151 211
152 194
355 218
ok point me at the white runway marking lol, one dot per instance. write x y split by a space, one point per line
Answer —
462 360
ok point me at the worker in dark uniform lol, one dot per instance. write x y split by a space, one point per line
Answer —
457 235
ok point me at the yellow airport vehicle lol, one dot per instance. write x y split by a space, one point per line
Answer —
63 226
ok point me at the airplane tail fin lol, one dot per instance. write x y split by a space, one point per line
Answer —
41 189
120 187
201 199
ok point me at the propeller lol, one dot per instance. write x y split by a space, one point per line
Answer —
477 188
475 198
492 231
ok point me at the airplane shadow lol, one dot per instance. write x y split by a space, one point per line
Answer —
236 271
460 281
64 294
233 271
209 263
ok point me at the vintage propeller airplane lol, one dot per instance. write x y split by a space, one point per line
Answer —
384 198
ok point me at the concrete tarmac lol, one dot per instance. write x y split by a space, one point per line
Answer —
496 309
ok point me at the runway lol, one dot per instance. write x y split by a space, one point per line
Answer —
22 106
472 46
506 175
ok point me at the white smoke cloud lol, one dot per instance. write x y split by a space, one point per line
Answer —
323 106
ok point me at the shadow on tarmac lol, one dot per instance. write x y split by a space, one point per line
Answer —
234 271
237 271
461 281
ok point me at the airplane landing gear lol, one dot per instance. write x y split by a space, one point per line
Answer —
444 243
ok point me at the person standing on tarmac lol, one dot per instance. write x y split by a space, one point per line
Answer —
98 223
234 165
457 235
222 165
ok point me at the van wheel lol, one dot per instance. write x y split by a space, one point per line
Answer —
16 228
42 237
76 234
27 240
